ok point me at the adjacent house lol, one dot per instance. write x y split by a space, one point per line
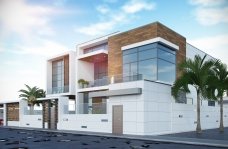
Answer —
121 83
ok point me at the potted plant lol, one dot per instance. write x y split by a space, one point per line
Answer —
86 83
81 83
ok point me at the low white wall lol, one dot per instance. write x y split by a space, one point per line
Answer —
34 121
184 117
92 122
13 123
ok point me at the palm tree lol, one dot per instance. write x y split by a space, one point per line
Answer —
31 95
196 73
219 83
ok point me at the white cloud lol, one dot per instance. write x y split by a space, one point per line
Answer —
135 6
115 17
210 12
212 16
214 45
24 19
103 9
41 47
207 2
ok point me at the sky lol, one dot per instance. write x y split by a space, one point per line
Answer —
32 30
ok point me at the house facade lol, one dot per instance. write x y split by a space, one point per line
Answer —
121 83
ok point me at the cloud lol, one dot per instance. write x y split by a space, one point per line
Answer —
210 12
41 47
207 2
212 16
103 9
135 6
112 18
213 45
25 19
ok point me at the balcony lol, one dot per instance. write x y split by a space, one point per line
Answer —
58 90
111 80
94 54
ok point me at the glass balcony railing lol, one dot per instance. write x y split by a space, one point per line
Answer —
87 108
57 90
111 80
32 112
69 109
93 108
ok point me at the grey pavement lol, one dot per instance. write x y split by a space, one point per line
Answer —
208 139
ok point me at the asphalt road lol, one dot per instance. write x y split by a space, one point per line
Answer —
32 139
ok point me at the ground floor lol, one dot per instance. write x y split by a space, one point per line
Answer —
36 138
132 108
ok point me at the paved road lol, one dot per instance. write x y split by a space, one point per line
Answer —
213 134
32 139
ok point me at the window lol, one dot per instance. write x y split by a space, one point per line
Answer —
153 61
57 76
148 69
166 56
211 103
166 71
100 70
147 54
130 58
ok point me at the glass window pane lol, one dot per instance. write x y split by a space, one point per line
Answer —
134 69
54 70
126 69
147 47
166 49
166 71
54 84
147 54
129 51
166 56
130 58
148 69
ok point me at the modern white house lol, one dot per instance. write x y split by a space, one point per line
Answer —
121 83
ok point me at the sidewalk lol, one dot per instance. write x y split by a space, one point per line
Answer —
173 138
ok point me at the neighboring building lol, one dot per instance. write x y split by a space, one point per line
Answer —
124 88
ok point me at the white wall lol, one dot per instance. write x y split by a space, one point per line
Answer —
184 117
34 121
133 107
93 122
13 123
4 114
158 100
72 74
85 70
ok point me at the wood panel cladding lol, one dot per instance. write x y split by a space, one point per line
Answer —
143 33
46 112
12 111
66 70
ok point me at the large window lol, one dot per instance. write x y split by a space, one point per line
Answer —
153 61
57 76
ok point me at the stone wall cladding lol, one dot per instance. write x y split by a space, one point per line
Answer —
146 32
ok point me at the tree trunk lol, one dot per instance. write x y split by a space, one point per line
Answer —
221 127
198 126
31 109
